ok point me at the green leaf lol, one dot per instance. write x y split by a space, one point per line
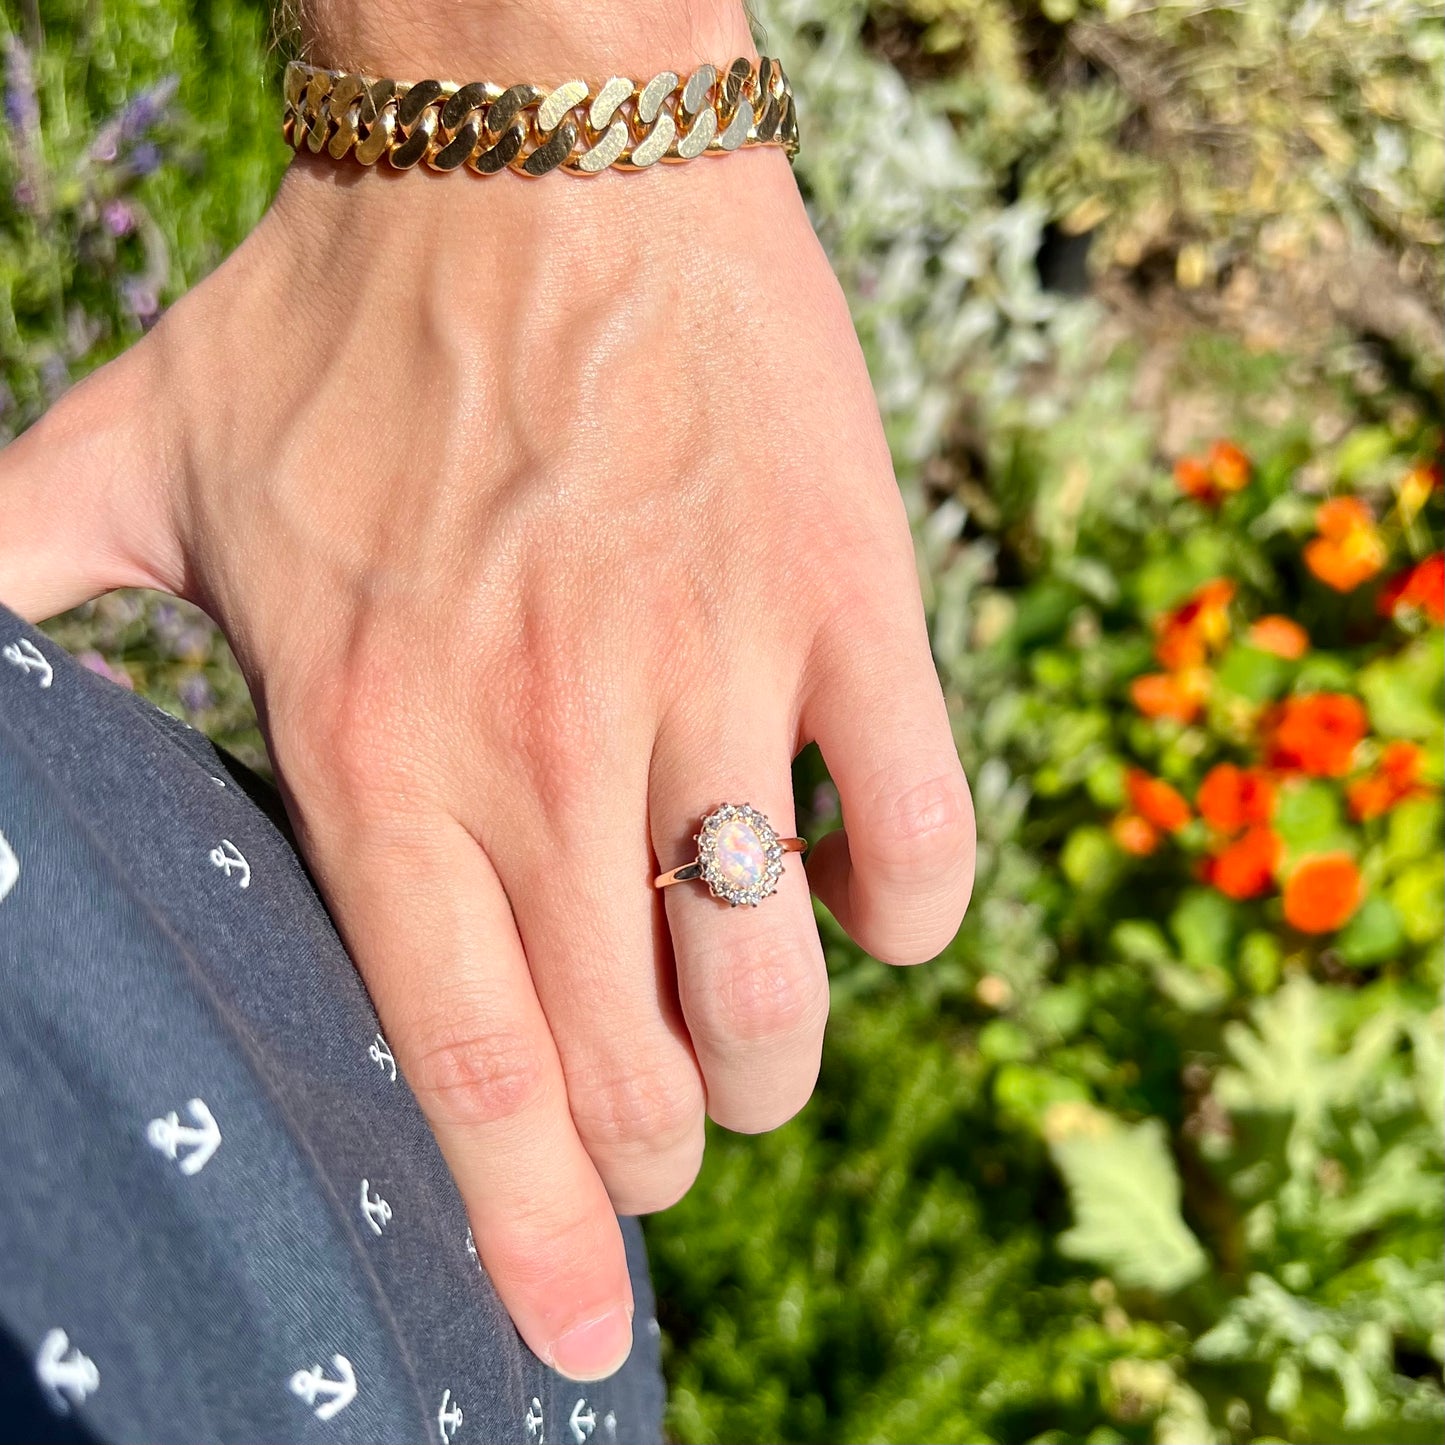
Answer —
1260 956
1419 901
1403 692
1090 859
1254 674
1363 452
1374 935
1124 1190
1414 830
1203 925
1026 1093
1309 817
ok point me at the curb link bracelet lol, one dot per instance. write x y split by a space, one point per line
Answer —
488 128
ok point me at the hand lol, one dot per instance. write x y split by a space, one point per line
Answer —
542 517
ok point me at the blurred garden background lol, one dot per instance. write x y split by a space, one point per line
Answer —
1151 294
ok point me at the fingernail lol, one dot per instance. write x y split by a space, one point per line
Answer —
594 1350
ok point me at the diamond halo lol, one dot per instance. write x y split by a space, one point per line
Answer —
739 854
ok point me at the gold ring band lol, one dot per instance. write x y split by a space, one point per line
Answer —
490 128
739 856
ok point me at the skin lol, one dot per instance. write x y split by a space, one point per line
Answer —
543 517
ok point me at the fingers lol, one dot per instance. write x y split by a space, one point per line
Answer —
752 981
431 932
899 875
84 493
602 966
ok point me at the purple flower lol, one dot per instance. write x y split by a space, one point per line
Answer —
141 113
22 108
144 159
195 692
118 217
141 301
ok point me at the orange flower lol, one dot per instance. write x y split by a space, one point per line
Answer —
1135 835
1421 587
1323 892
1395 779
1178 695
1245 868
1316 734
1229 466
1349 549
1232 798
1187 635
1281 636
1156 802
1193 479
1210 479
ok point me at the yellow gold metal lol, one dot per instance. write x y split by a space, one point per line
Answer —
490 128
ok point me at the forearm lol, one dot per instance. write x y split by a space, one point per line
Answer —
544 42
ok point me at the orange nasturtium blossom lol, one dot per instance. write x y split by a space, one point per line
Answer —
1157 802
1245 868
1323 892
1134 834
1282 636
1191 475
1229 466
1177 695
1395 779
1421 587
1316 733
1349 549
1231 798
1198 626
1212 478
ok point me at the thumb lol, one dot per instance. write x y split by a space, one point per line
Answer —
85 492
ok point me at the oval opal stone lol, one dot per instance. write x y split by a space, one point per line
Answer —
741 857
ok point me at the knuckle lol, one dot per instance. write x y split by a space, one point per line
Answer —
654 1107
771 990
347 737
927 825
554 1245
476 1079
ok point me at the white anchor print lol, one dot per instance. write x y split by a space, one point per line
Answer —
67 1375
380 1053
229 859
609 1424
449 1417
24 654
533 1421
374 1207
9 867
169 1135
335 1395
583 1422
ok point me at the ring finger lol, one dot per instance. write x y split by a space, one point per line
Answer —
752 981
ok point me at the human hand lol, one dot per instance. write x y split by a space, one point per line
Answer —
542 517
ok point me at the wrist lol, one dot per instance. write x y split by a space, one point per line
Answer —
543 43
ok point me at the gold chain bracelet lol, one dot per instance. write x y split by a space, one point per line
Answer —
489 128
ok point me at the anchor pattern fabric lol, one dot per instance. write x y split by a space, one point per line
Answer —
224 1217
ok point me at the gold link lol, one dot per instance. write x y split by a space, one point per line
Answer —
531 130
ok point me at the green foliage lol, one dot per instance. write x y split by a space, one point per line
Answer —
1134 1161
1124 1190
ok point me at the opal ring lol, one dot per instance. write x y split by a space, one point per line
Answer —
739 855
